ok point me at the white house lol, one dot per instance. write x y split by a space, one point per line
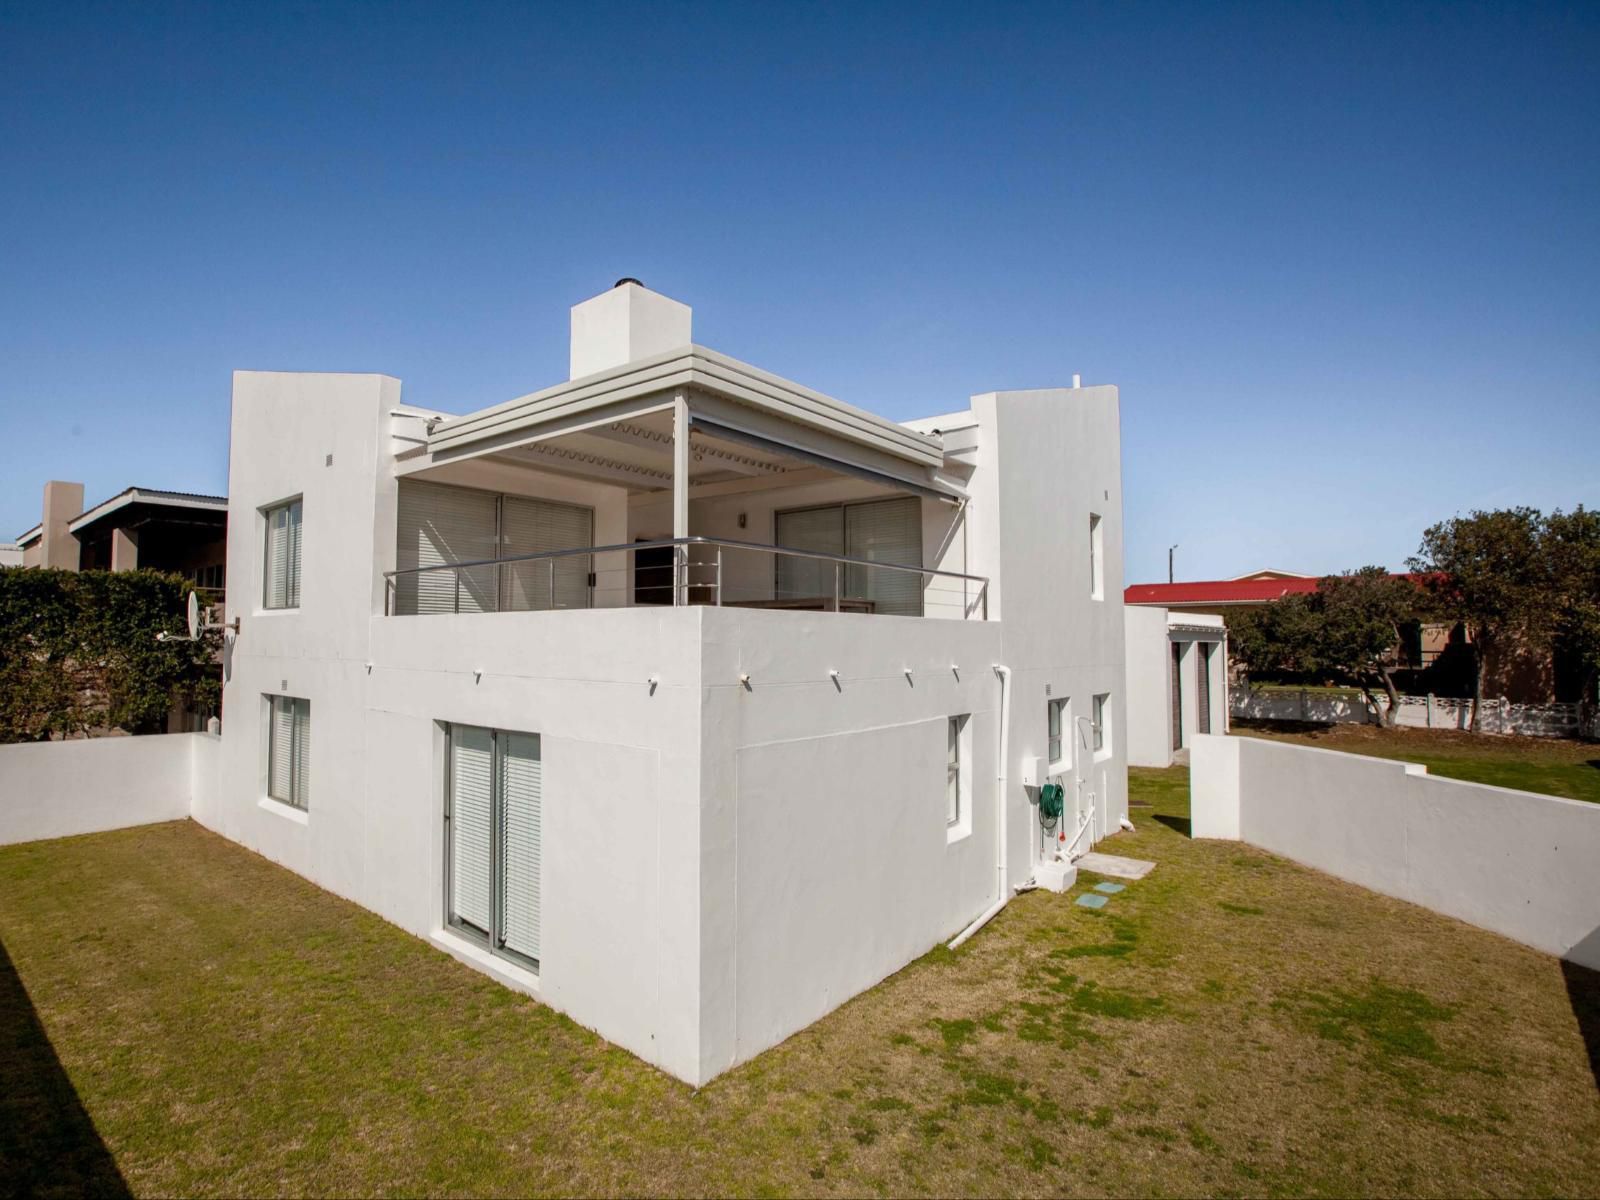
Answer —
1177 683
686 698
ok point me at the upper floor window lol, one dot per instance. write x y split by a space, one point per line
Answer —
281 578
1097 586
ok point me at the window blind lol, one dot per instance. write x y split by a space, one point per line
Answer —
530 526
471 819
280 750
281 581
521 798
886 531
817 529
440 524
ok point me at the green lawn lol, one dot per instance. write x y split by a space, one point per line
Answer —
183 1017
1552 766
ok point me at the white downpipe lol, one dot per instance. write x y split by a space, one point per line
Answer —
1004 866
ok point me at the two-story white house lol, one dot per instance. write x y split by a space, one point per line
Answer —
686 698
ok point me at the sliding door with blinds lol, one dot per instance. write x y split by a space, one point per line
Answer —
817 529
288 750
493 836
886 531
439 524
281 570
535 527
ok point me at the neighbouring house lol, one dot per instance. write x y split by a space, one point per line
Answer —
1177 681
10 554
677 694
179 532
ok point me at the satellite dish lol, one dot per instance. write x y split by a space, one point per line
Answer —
197 625
194 615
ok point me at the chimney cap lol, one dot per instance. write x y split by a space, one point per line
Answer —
627 279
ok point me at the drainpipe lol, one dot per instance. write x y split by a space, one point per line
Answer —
1003 866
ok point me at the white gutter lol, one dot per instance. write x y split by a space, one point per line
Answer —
1004 867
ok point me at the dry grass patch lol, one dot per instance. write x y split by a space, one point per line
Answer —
1231 1025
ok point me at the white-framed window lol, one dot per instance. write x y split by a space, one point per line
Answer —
1058 715
1097 587
494 828
957 784
1101 722
289 750
281 569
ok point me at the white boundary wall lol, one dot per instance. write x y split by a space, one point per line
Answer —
58 789
1521 864
1419 712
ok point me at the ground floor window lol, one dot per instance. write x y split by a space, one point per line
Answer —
1101 722
288 750
493 812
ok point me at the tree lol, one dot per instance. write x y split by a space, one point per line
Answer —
1572 549
1359 631
78 652
1347 631
1488 570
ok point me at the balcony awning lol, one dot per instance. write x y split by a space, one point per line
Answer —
729 402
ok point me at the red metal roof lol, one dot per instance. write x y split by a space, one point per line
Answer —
1216 591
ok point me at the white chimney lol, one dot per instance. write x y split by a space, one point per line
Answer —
623 325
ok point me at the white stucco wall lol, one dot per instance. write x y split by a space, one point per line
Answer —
722 864
1149 684
1046 459
827 862
58 789
1517 863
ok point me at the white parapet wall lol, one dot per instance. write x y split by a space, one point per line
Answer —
1518 863
58 789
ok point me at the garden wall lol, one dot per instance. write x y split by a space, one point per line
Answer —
58 789
1420 712
1518 863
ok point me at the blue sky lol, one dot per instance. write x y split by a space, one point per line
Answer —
1343 262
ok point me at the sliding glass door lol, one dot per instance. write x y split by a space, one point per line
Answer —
493 828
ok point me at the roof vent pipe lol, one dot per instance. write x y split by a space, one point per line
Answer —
1077 382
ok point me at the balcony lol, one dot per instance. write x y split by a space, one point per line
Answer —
691 570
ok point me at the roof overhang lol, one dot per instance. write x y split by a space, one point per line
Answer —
179 500
32 536
728 400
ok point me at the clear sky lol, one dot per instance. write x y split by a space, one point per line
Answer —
1343 262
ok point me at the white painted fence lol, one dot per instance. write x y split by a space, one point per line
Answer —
1523 865
57 789
1421 712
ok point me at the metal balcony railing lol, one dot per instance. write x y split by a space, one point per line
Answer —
681 571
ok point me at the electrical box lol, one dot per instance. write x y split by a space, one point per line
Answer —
1033 769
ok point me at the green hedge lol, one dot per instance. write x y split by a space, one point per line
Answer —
78 653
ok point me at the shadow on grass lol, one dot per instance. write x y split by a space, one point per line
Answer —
1181 824
1583 993
48 1144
